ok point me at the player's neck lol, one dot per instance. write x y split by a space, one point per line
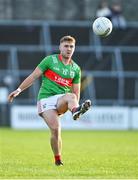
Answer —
66 60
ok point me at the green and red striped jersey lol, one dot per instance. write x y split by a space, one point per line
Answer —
57 77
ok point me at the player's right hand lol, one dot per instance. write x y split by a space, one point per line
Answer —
12 95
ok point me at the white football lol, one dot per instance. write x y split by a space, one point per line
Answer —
102 26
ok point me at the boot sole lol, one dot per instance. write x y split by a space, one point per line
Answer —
85 107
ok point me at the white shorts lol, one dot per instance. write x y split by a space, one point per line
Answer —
48 103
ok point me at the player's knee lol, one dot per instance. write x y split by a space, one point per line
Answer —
55 132
71 96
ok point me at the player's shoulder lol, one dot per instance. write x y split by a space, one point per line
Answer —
75 66
51 58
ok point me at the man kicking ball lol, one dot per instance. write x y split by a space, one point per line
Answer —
59 91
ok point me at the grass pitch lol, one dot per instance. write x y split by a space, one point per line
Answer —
86 155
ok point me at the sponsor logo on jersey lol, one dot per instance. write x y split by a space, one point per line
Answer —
58 79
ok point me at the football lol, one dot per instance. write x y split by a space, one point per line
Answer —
102 26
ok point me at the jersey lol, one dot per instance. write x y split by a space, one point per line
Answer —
57 77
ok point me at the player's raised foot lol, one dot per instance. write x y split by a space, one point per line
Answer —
58 163
81 109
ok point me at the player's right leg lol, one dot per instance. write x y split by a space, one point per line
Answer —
52 120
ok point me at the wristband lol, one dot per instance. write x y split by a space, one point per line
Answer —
19 90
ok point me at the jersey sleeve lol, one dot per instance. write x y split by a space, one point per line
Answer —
77 78
44 64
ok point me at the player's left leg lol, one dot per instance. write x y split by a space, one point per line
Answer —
77 112
69 101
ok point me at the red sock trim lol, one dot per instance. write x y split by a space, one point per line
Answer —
57 157
73 109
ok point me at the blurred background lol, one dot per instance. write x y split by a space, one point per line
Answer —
31 29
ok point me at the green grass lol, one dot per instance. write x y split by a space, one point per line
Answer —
86 154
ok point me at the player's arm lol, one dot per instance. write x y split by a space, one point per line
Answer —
77 83
76 90
25 84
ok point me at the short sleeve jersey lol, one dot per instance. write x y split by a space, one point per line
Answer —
57 77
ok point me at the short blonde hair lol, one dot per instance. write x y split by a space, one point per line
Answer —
68 38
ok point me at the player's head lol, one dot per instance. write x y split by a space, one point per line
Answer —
67 39
67 46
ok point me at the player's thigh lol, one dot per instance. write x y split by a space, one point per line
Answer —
62 105
51 117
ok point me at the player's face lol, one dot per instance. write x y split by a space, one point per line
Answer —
67 49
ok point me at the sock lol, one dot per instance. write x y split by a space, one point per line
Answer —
57 157
73 109
76 109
